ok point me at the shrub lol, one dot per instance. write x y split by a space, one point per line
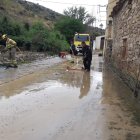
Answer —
36 37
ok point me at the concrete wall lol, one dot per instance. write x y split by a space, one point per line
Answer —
98 42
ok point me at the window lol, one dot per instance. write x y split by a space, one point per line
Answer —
129 1
110 23
130 4
124 48
110 29
81 38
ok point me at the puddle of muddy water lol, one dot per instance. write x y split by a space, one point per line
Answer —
41 104
82 81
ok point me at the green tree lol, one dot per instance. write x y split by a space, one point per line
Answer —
45 40
68 26
57 42
79 13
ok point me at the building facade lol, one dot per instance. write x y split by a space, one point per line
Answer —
123 41
109 29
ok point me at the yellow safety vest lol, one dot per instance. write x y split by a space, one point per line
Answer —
10 43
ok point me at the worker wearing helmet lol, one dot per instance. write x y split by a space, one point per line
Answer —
11 48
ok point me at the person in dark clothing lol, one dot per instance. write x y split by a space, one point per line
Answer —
73 50
87 56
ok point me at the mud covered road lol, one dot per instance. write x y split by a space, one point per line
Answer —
45 101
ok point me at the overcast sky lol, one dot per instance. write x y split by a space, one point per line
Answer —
92 6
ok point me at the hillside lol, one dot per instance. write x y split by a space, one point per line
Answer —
31 26
26 23
27 12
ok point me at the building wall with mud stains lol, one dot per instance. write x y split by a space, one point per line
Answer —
126 41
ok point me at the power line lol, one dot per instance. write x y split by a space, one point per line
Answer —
69 3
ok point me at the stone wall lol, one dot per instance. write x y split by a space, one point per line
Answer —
110 6
126 41
108 32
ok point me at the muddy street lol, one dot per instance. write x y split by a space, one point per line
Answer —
49 102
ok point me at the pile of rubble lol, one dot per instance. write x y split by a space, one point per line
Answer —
23 57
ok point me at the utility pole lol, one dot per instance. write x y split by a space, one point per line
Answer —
102 9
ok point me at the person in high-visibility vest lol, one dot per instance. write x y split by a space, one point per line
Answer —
11 48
